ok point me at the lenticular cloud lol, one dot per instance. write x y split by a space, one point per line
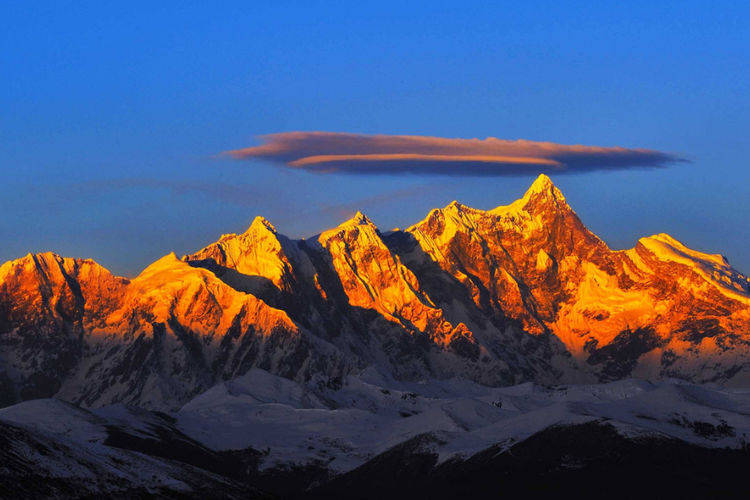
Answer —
327 152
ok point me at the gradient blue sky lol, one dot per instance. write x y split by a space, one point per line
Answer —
111 114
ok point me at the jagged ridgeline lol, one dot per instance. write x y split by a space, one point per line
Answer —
523 292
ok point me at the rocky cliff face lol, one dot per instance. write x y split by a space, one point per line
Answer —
659 309
520 292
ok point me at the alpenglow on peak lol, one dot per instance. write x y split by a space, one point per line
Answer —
522 292
543 184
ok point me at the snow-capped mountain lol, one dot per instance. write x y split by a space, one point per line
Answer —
523 292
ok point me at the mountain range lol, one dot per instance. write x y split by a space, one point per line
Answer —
523 292
476 351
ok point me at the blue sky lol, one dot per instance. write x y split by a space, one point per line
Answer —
113 113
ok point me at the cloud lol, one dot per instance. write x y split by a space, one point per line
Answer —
327 152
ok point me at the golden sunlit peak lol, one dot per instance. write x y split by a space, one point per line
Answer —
541 195
168 261
359 223
360 219
543 185
261 223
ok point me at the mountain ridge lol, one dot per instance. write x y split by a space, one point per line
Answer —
520 292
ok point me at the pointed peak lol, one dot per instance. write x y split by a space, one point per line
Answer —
170 258
457 209
358 223
455 205
543 187
359 219
261 223
168 261
542 184
541 196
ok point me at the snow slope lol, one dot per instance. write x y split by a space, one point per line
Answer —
260 426
342 429
55 449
